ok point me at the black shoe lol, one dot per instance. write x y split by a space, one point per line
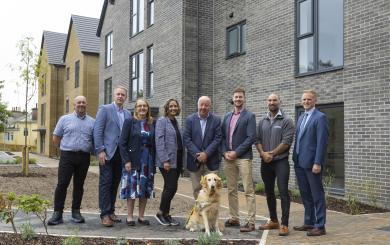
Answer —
161 219
56 218
171 221
76 217
143 222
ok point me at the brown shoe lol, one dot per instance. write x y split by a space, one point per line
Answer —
270 225
303 228
316 232
283 230
106 221
247 228
232 222
115 218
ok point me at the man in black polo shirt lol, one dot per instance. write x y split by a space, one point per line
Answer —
275 134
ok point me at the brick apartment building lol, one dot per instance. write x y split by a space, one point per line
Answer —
341 48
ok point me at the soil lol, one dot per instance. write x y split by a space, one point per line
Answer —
7 238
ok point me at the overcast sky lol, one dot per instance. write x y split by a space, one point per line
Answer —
23 18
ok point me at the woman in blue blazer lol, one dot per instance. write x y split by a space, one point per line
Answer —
169 158
138 161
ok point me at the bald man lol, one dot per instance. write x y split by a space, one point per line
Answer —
73 134
202 137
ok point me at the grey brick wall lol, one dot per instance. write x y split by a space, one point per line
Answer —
189 38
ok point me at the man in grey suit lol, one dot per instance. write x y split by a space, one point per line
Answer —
238 136
107 130
202 137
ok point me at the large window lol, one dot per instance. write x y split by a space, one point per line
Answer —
150 81
137 16
108 50
320 32
108 91
334 163
236 39
136 73
77 74
150 12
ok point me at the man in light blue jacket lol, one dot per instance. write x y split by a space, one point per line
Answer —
107 130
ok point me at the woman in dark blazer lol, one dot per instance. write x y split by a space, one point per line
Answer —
169 158
137 149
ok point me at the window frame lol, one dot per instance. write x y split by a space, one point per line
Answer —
43 114
137 75
67 73
241 39
77 74
315 34
151 13
67 105
108 49
150 71
108 93
137 14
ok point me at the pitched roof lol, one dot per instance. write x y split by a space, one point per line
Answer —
54 44
85 28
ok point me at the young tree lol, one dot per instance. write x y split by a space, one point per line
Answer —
27 68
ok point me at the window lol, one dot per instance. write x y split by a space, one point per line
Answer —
150 86
334 161
137 17
108 91
43 85
77 74
136 73
236 40
67 105
43 114
108 50
150 12
67 73
320 33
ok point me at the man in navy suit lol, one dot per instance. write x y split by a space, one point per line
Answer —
309 162
106 133
238 136
202 137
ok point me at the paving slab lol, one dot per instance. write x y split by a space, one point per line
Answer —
92 227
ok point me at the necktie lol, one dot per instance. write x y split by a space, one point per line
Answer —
301 128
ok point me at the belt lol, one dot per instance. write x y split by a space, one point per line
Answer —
76 152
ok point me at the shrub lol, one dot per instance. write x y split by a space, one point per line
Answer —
7 214
295 193
27 232
72 240
36 205
213 239
260 187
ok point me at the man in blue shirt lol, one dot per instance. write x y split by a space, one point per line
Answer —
73 134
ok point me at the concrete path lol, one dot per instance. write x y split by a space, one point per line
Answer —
341 228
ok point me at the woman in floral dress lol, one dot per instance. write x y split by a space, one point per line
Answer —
137 149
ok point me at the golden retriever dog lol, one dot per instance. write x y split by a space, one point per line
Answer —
204 214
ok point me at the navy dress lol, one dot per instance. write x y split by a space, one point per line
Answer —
140 183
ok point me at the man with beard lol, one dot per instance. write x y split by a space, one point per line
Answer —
238 135
275 134
73 134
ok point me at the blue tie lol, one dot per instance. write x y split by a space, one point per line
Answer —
301 128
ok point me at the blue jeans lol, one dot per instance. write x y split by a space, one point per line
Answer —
109 178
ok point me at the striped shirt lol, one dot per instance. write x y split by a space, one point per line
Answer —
75 132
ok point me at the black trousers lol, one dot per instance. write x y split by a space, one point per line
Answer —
279 170
74 164
109 178
171 178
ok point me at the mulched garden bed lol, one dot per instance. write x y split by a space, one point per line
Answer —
15 239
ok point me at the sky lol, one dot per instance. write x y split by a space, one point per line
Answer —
29 18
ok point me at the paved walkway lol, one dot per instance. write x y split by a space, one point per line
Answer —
341 228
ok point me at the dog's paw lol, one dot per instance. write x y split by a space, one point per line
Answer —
192 229
219 233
